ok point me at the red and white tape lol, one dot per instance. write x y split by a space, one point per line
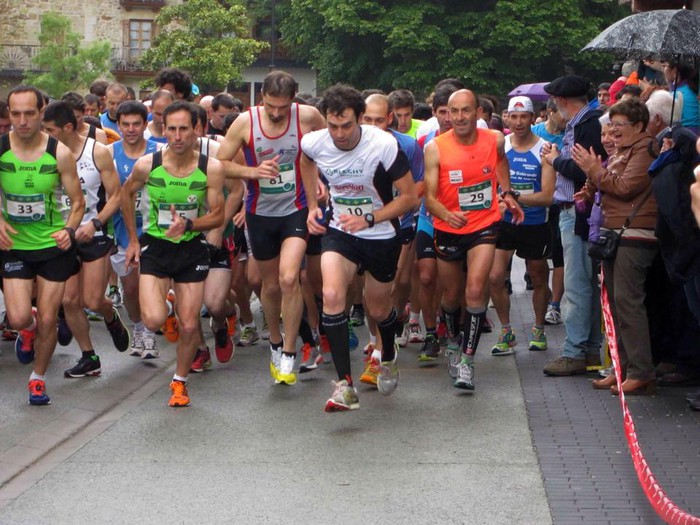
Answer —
664 507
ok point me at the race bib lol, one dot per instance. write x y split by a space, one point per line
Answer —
184 210
475 197
525 188
359 206
26 208
65 201
284 182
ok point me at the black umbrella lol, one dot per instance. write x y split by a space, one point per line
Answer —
667 35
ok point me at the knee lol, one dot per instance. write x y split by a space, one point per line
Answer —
289 283
188 327
94 301
71 300
333 299
497 280
152 321
19 321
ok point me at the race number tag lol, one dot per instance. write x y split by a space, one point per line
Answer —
184 210
283 183
456 177
525 188
26 208
475 197
358 206
65 202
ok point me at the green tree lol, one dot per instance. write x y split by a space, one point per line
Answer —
63 62
207 38
492 45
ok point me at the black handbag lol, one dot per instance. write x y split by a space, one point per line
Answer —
605 248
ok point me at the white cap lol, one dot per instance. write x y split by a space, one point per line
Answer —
520 104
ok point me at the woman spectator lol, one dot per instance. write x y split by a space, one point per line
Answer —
625 187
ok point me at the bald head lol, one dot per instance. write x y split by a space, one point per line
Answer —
464 110
377 112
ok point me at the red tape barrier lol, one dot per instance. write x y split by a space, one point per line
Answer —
663 506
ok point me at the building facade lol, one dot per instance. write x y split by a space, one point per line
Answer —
129 27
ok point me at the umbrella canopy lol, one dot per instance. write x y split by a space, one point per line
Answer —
668 35
535 91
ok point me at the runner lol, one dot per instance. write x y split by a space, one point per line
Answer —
100 186
533 185
178 183
132 120
463 169
276 209
362 165
159 101
37 245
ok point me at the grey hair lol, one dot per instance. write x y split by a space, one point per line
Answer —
660 103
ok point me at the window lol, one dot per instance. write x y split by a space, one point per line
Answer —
140 35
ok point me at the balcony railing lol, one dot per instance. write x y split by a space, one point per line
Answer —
17 59
154 5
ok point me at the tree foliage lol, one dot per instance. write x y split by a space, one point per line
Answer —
207 38
492 45
63 63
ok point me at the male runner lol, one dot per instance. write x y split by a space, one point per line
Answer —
37 245
463 169
159 101
77 104
100 186
132 120
276 209
362 165
115 95
178 183
533 185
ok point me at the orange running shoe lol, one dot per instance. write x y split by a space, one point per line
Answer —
180 397
371 372
325 349
170 328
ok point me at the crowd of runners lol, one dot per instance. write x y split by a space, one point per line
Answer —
335 211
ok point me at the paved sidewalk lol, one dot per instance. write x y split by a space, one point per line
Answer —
248 451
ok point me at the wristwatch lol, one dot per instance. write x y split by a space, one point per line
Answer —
369 217
188 225
513 193
97 223
71 234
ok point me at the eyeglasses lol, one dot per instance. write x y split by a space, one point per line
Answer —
620 124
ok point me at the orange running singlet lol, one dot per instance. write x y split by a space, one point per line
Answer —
467 180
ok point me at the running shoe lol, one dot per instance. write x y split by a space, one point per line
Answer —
117 329
325 349
65 335
223 346
505 344
180 397
232 325
285 372
87 366
388 377
371 371
430 350
170 328
344 398
137 344
553 315
465 375
454 355
275 358
538 340
265 332
24 344
92 315
310 358
368 349
357 316
115 295
415 335
150 347
402 339
353 341
249 336
37 393
201 361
